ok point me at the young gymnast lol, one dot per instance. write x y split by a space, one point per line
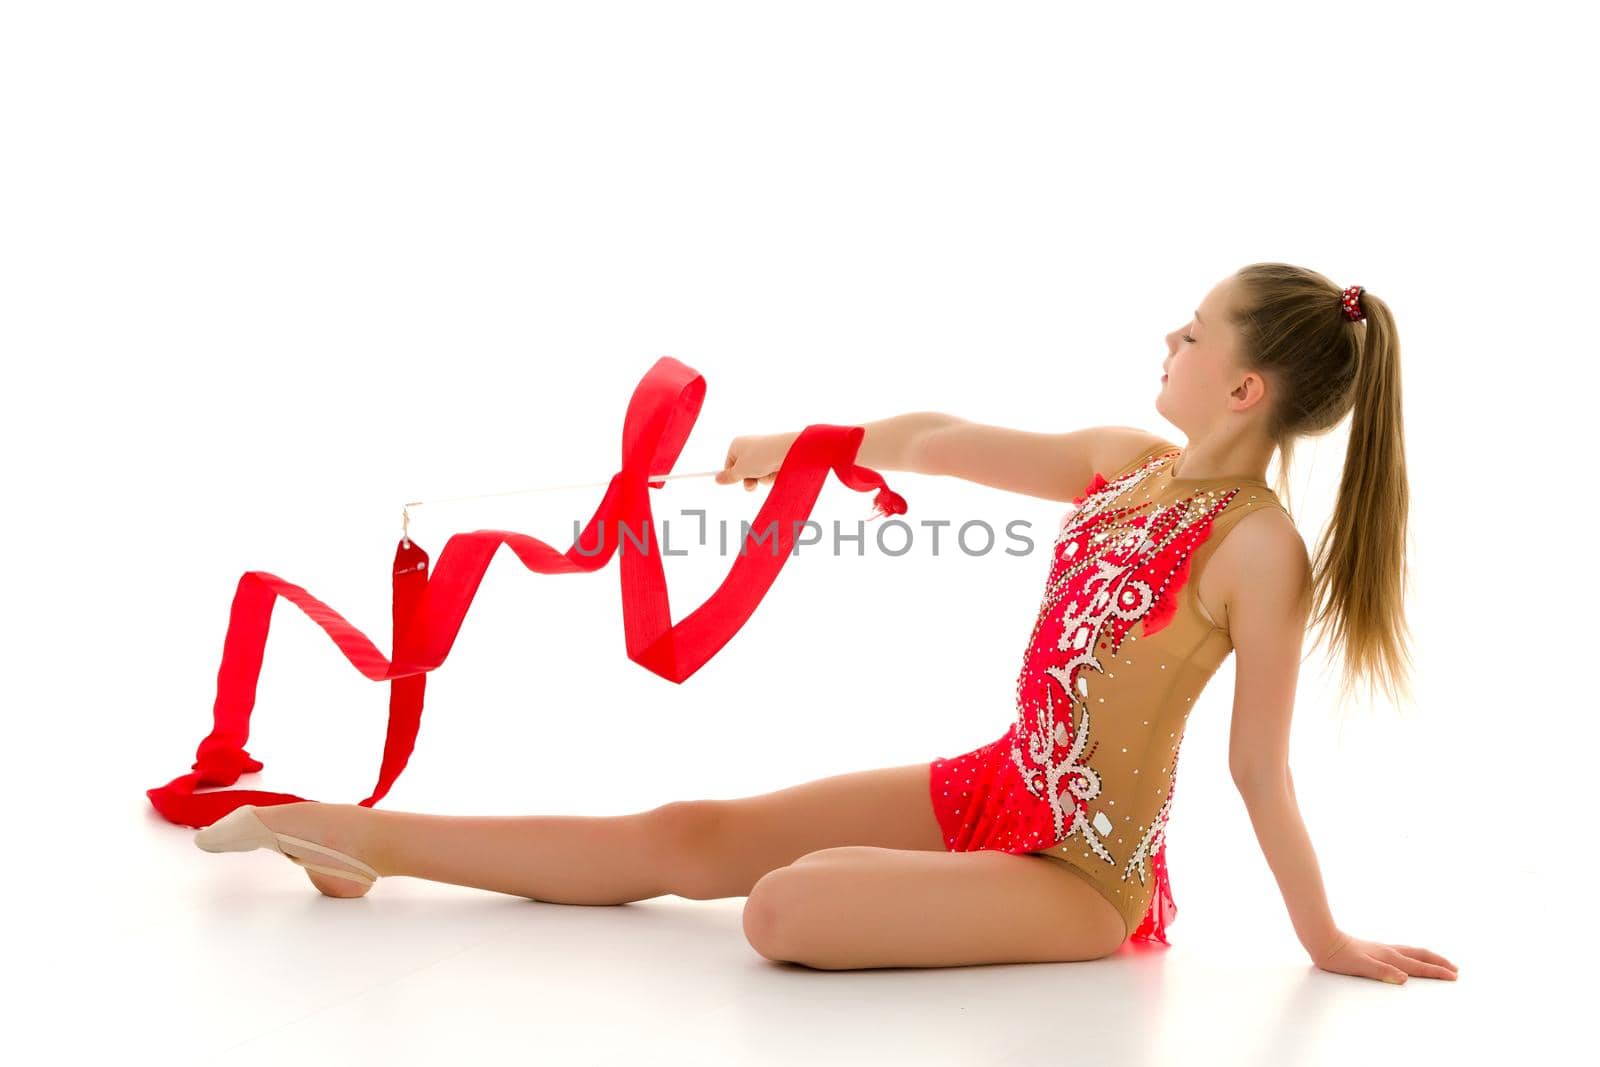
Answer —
1046 844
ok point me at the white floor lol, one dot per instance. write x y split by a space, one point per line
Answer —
147 946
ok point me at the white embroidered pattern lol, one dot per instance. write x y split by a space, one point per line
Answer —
1096 575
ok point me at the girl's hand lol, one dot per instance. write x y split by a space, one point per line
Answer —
755 460
1390 963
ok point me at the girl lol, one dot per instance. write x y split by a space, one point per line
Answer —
1046 844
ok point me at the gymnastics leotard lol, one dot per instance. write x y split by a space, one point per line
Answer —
1084 773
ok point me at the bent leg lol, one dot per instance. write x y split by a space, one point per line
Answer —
889 807
850 908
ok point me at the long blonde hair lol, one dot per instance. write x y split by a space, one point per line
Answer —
1323 366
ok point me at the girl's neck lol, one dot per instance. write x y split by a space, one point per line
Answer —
1202 460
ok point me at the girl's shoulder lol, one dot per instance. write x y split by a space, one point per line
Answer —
1261 544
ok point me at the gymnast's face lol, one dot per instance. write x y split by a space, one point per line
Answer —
1203 382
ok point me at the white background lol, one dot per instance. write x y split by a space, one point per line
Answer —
269 271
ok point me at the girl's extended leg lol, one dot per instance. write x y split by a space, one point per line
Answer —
563 859
700 849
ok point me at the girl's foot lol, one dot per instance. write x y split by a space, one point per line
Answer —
335 826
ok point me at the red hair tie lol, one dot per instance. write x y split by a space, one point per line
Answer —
1351 303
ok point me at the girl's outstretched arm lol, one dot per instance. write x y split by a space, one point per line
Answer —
1263 572
1052 466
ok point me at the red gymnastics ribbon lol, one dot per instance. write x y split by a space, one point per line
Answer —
428 611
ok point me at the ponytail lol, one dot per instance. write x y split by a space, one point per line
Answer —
1359 567
1326 366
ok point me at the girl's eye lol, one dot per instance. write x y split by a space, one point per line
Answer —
1186 337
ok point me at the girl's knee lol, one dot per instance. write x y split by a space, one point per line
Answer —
689 838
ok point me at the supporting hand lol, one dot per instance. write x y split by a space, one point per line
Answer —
1374 959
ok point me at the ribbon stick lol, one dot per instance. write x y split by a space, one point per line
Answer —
428 610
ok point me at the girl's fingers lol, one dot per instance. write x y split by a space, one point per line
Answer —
1423 967
1426 956
1387 971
